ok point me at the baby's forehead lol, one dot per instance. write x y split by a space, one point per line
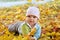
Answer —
31 15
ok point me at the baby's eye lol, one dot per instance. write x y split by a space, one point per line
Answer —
28 16
34 17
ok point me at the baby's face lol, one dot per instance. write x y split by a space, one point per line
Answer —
31 19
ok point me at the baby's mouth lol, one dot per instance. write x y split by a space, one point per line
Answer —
31 21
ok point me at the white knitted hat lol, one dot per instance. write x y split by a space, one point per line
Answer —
33 11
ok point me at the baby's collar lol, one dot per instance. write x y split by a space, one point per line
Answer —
29 25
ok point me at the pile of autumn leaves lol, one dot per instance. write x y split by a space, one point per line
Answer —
49 21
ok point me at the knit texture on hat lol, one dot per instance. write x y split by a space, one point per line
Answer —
33 11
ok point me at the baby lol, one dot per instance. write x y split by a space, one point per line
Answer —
31 21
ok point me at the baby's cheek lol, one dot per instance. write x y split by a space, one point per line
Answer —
35 21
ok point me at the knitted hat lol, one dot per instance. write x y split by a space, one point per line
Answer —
33 11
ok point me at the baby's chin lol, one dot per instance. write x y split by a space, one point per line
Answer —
31 23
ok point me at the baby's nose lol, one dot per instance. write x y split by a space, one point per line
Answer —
31 18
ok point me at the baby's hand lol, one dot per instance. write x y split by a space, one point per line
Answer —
1 33
32 38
